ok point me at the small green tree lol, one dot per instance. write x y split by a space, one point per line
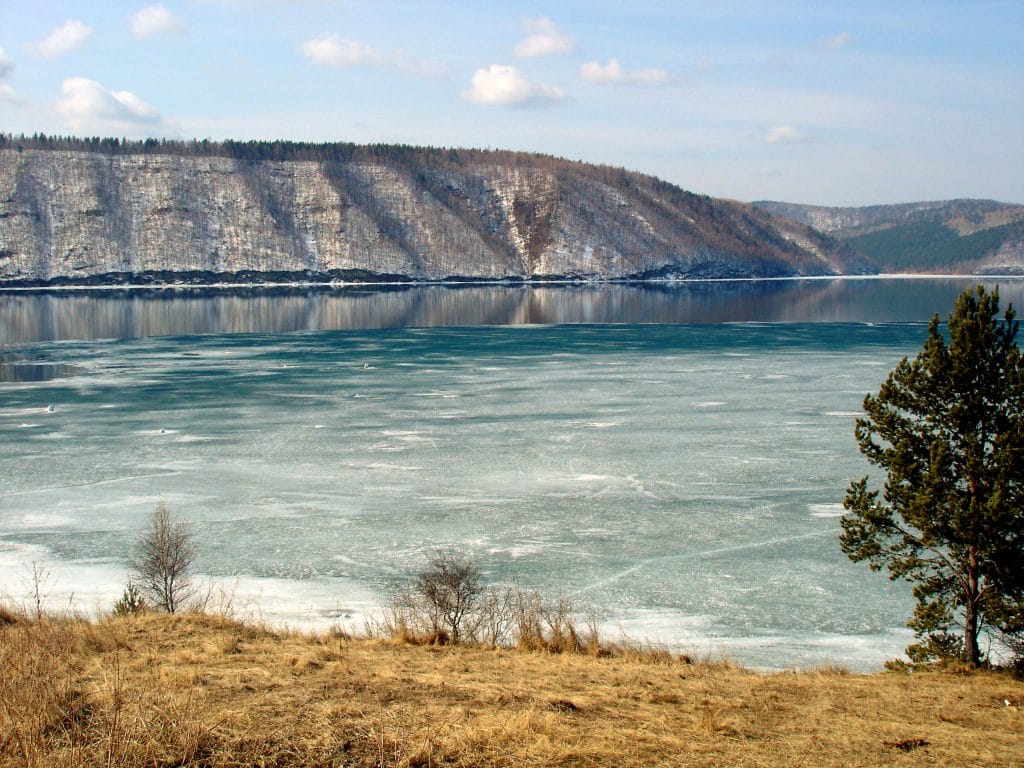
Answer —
131 602
948 429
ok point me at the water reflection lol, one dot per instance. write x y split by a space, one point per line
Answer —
63 315
32 371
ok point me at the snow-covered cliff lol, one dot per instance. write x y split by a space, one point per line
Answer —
77 216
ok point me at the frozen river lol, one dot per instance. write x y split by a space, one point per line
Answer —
683 478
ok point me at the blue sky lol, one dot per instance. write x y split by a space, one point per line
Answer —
834 103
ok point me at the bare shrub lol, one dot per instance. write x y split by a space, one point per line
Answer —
494 621
529 620
449 590
448 603
37 589
163 562
402 620
592 640
217 600
543 625
560 619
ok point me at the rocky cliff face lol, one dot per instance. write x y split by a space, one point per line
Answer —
76 216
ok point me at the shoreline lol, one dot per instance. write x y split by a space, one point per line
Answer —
485 282
314 608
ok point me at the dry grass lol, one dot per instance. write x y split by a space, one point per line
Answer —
199 691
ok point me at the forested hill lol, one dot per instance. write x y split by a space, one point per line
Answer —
89 211
958 236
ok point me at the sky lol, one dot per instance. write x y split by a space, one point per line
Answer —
809 101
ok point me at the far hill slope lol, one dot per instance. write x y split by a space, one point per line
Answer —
965 236
102 211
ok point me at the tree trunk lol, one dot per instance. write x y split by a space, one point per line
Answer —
972 654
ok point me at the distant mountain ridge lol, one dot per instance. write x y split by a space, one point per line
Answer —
963 236
102 211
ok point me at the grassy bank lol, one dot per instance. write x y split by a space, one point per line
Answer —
158 690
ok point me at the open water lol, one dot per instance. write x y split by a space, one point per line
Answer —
675 458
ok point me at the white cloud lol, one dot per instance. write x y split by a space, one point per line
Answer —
612 73
543 38
64 39
784 134
6 65
89 108
7 93
155 20
503 86
838 41
336 52
332 51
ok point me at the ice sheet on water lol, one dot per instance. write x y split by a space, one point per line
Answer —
706 636
520 549
827 510
28 572
663 507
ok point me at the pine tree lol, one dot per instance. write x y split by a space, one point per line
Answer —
948 429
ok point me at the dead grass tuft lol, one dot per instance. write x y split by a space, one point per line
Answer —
563 705
906 745
8 617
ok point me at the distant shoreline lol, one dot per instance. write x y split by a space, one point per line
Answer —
18 287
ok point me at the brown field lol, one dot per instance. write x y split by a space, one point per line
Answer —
158 690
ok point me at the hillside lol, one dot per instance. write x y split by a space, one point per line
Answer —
952 236
101 211
203 691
